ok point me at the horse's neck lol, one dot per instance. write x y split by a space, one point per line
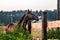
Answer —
22 20
24 23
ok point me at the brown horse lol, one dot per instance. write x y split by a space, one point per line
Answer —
9 27
25 19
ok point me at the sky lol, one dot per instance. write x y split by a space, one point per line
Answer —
9 5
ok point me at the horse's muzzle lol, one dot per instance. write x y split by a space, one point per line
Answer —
37 19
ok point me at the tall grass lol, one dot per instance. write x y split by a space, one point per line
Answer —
53 34
17 34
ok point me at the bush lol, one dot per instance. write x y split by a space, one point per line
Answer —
18 34
53 34
2 24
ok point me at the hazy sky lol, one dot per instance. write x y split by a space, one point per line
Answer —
27 4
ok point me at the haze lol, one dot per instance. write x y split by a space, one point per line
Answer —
9 5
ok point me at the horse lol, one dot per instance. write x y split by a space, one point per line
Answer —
11 27
23 22
26 18
8 27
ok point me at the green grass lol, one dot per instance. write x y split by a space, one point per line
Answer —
18 34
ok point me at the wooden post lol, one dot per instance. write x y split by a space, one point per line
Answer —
44 25
29 26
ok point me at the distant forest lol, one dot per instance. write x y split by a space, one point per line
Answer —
5 16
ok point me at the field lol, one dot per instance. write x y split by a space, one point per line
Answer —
37 28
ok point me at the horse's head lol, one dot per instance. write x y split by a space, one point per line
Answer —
32 16
26 17
10 25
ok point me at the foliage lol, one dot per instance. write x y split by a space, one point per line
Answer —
18 34
53 34
2 24
16 15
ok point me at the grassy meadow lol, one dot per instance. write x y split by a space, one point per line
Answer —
21 34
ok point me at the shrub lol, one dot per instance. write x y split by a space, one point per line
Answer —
2 24
53 34
17 34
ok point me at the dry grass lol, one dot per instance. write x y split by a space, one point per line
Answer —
37 28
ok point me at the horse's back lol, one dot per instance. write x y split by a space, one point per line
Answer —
3 28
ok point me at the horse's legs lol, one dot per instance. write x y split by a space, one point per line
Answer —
29 26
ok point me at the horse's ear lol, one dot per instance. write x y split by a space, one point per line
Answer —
29 11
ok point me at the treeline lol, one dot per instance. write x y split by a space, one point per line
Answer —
6 16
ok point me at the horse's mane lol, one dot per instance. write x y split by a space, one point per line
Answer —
29 12
21 19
